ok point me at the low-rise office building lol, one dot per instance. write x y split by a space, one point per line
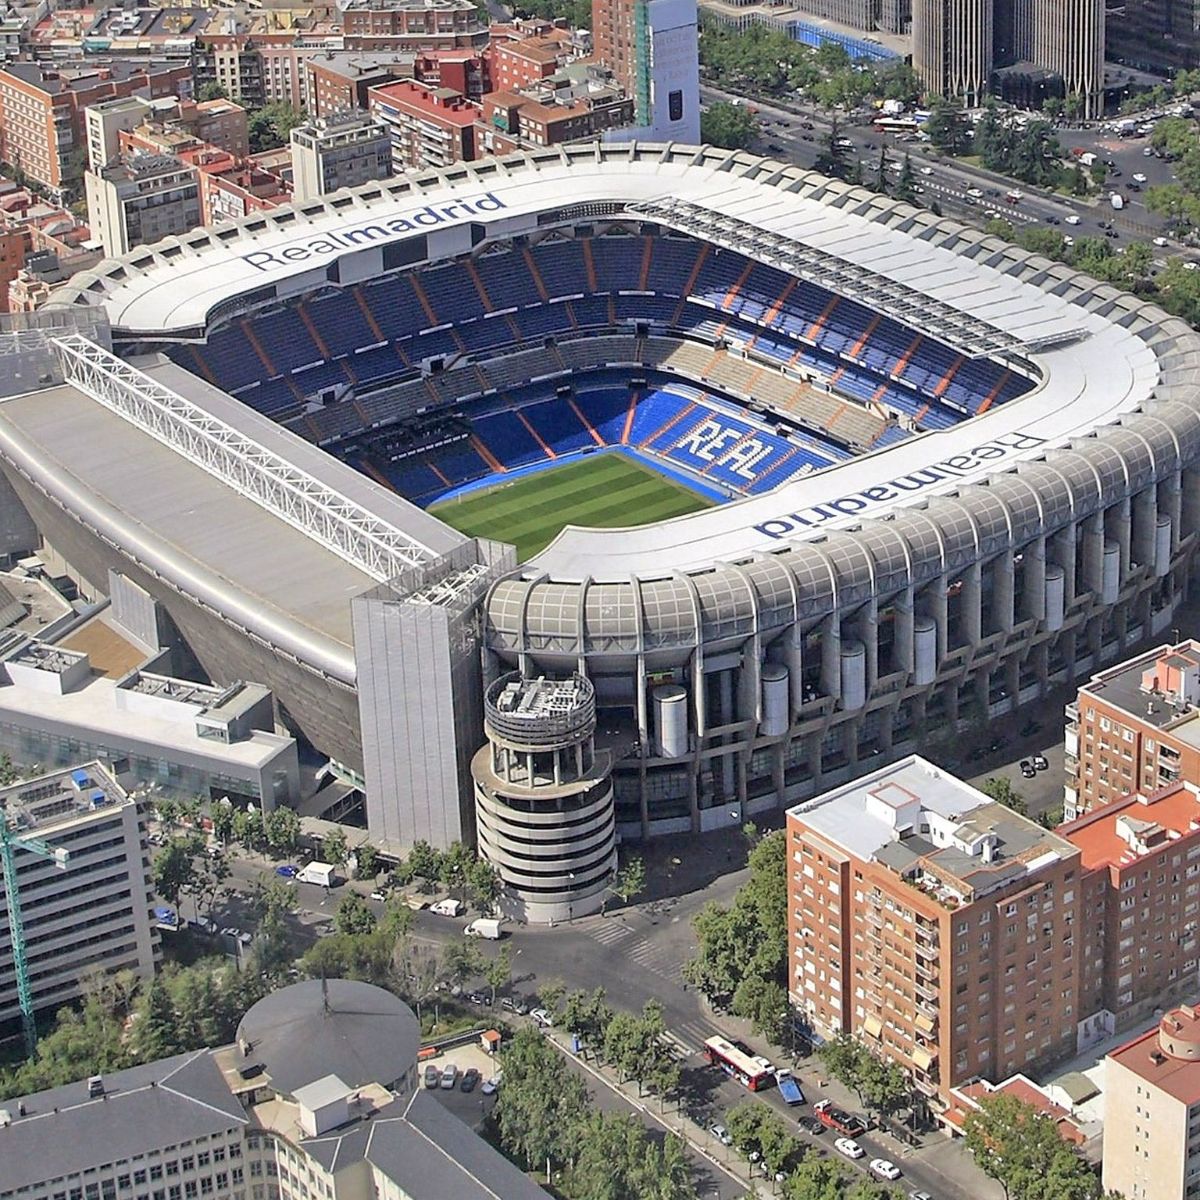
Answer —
317 1099
140 199
88 915
186 738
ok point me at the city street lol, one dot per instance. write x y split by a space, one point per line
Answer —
783 135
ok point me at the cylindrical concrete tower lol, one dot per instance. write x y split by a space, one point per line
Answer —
544 799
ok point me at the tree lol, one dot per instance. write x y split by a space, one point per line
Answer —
456 864
906 182
834 159
815 1179
174 869
630 880
730 126
539 1110
842 1057
424 863
948 128
1023 1151
8 772
1003 792
750 937
213 91
335 849
281 829
354 915
367 957
221 816
498 972
420 970
551 994
764 1002
206 886
462 961
368 861
271 126
155 1028
484 884
885 1086
248 828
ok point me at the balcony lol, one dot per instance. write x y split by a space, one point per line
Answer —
872 917
925 992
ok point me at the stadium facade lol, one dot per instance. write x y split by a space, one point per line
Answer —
956 474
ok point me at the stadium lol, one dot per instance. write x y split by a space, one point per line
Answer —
794 476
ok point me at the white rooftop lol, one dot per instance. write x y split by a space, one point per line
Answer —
856 816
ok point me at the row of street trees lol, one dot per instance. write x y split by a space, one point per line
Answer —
741 959
544 1119
880 1085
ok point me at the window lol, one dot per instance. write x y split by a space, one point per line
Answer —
675 106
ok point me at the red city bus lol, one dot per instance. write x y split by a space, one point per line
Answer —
752 1073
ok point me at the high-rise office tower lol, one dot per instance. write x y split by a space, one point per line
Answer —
952 47
956 44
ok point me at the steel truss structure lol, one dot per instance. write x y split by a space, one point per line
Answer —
968 335
332 520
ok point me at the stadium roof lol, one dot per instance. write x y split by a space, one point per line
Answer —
1099 353
223 547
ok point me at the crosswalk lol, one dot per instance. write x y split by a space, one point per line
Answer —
635 947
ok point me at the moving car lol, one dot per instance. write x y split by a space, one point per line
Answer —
471 1078
721 1134
926 170
433 1076
1161 241
1072 219
883 1168
849 1147
975 193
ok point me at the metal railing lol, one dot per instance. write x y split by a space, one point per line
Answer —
332 520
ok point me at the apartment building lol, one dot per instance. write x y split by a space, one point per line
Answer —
524 62
317 1099
337 152
93 913
935 925
427 127
1152 1111
140 199
1134 727
164 126
340 82
1141 889
412 25
652 49
42 111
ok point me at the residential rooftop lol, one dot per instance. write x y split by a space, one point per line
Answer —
1126 831
937 832
1168 1057
57 798
1136 686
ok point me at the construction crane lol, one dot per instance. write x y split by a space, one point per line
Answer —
10 842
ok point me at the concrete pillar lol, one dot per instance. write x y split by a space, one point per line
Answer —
831 656
1001 568
971 604
1144 519
1033 590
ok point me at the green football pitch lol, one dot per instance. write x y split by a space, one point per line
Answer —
603 490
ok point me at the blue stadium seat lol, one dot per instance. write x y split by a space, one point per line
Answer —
558 426
618 262
561 266
507 438
507 280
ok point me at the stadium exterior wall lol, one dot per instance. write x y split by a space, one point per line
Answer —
324 708
1107 516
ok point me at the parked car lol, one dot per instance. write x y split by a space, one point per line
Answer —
491 1086
432 1076
449 1077
542 1017
470 1080
1027 771
1161 241
1040 763
287 871
919 1195
811 1125
883 1168
515 1006
721 1134
849 1147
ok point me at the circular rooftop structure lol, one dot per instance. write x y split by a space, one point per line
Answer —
356 1031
